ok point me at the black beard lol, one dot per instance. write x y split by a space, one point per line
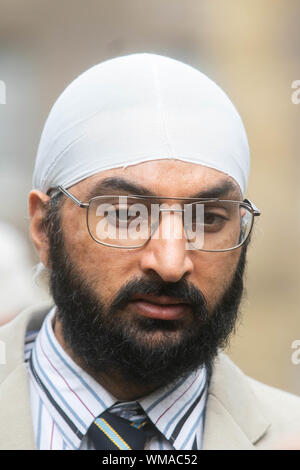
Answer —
105 342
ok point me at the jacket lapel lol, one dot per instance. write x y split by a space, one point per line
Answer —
233 417
16 429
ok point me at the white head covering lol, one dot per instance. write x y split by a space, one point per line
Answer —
137 108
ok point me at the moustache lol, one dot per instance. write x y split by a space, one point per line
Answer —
182 291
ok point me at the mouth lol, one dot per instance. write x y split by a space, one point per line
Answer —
160 307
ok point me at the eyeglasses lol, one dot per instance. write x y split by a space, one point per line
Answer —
129 221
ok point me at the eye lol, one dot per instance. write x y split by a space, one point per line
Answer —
209 222
124 215
121 213
211 218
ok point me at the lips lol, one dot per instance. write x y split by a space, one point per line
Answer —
160 307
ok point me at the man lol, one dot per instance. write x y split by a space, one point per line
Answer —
138 214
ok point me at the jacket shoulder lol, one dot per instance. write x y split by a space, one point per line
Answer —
282 410
268 417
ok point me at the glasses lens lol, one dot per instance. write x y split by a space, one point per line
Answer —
217 226
128 222
120 221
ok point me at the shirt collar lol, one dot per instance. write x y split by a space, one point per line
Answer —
173 408
79 398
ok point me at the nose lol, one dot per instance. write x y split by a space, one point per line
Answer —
166 254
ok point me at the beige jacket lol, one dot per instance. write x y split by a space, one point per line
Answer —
241 412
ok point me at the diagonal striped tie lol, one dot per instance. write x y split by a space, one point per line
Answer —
111 432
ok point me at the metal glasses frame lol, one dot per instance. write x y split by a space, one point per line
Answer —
85 205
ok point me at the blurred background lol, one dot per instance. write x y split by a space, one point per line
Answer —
251 49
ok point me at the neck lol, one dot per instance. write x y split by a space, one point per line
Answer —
112 381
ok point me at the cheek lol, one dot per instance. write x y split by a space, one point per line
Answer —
105 269
76 236
214 273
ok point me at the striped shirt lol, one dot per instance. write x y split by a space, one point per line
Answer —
65 400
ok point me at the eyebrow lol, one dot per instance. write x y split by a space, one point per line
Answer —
116 183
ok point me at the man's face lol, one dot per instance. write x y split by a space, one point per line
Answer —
94 285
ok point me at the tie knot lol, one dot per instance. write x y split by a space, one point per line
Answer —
110 431
133 412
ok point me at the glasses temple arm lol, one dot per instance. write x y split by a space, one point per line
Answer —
255 210
73 198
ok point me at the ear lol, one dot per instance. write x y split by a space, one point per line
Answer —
36 202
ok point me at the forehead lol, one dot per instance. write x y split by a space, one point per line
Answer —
164 177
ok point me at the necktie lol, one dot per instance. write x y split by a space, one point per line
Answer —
111 432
